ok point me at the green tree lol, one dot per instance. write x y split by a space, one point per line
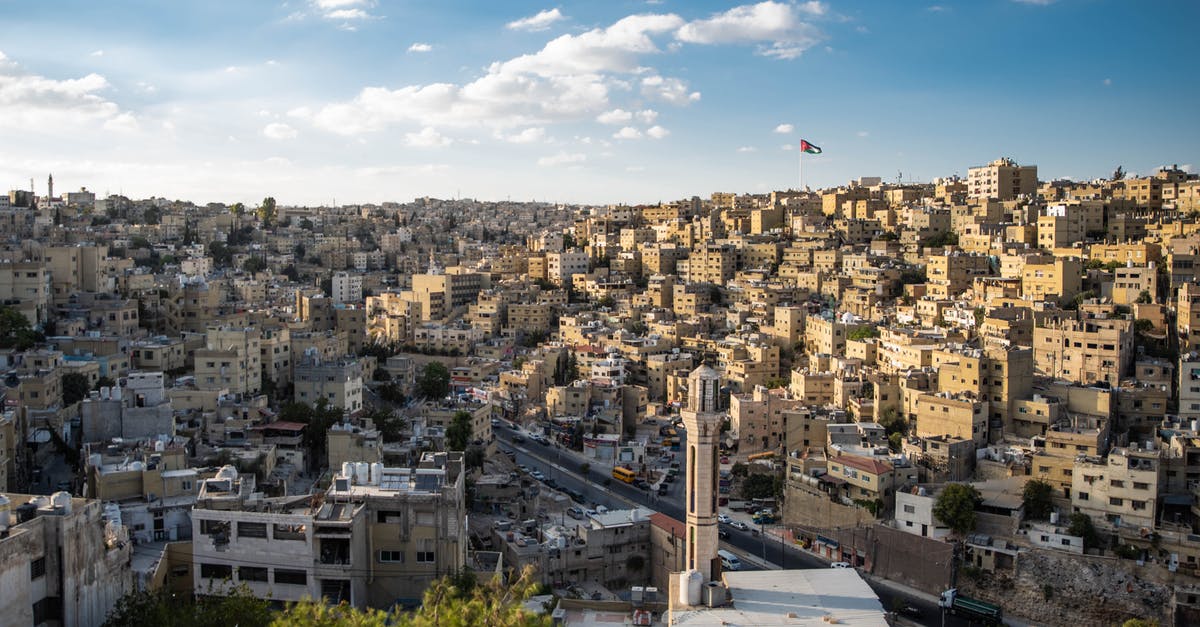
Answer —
267 211
434 381
862 333
1117 175
15 331
955 506
104 382
458 434
318 419
1144 298
164 608
75 388
1140 622
220 253
453 601
254 264
1036 497
759 486
1081 525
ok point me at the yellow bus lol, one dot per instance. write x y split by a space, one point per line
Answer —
760 456
624 474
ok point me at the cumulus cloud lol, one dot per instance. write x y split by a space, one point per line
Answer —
420 47
279 131
32 101
562 158
863 134
628 132
530 135
344 10
427 137
616 116
747 149
97 53
542 21
784 129
657 132
670 90
647 115
776 27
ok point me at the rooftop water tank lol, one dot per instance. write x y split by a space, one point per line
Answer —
61 501
227 472
348 470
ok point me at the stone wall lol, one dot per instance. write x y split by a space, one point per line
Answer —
817 510
1053 588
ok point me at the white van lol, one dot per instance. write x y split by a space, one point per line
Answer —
729 561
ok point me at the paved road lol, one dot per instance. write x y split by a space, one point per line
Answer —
564 468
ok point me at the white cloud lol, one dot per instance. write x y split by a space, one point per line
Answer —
1040 3
936 8
787 147
647 115
569 79
530 135
427 137
1108 82
863 134
784 128
747 149
32 101
420 47
628 132
348 14
616 116
279 131
770 21
539 22
341 10
97 53
562 158
657 132
670 90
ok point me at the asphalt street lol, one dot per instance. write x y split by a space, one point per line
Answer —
564 468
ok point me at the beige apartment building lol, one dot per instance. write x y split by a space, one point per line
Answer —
1002 179
231 359
955 415
756 418
339 382
1120 490
1084 351
1058 280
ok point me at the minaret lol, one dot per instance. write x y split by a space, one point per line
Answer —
702 420
50 188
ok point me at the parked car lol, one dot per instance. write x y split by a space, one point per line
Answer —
909 610
724 518
575 512
523 468
662 489
671 477
495 423
518 438
537 474
737 524
722 534
724 460
840 565
550 483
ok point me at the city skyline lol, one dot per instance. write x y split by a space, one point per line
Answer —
354 101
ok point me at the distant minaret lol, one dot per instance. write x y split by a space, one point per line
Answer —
702 420
50 188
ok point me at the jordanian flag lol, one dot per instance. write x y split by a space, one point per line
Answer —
809 148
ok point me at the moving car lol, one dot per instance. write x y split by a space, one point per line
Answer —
662 489
518 438
724 518
737 524
722 534
537 474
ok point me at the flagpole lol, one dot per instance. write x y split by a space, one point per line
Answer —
801 168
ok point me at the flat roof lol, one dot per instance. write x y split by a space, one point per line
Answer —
791 597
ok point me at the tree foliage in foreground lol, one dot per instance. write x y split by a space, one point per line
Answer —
955 506
453 601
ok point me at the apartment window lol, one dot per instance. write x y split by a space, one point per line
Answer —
37 568
252 573
1117 483
216 571
1116 502
1083 496
291 577
390 557
1138 505
252 530
1138 485
425 552
909 509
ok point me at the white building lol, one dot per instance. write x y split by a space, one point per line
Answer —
561 266
914 514
347 287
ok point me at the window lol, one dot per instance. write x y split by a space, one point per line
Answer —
1117 483
1114 501
1138 485
37 568
292 577
391 557
216 571
909 509
425 552
252 573
252 530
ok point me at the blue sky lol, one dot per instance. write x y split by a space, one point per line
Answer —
317 101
